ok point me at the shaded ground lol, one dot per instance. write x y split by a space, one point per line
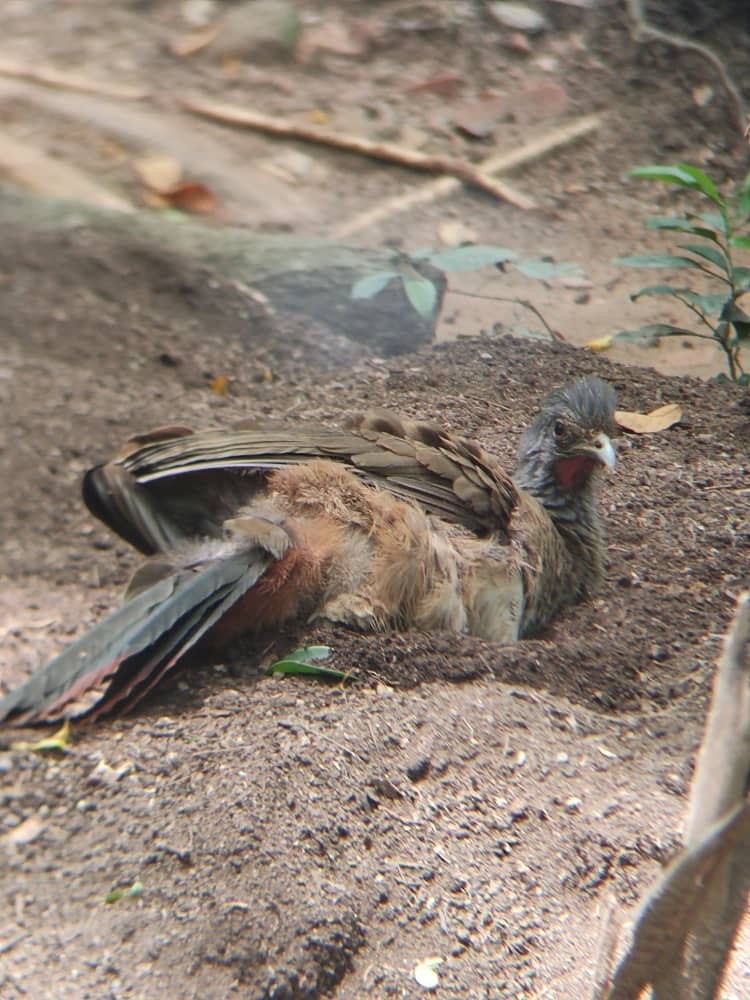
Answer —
458 799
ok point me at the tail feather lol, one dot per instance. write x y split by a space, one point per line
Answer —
129 651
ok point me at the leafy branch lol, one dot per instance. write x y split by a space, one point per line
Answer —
421 291
721 232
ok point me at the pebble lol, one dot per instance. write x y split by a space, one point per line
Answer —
261 30
518 17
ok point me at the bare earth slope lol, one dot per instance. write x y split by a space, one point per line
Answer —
458 799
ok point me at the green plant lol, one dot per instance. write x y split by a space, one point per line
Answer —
719 232
421 291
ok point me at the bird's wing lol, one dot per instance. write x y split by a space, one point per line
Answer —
118 661
142 496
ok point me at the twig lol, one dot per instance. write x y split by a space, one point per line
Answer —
645 31
51 77
444 186
411 158
514 301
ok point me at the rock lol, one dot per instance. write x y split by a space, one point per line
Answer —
518 17
261 30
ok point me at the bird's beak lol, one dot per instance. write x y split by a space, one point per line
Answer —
602 450
599 449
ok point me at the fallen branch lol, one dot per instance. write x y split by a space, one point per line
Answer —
444 186
50 77
687 923
723 762
388 152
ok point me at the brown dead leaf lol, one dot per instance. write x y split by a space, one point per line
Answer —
192 196
158 173
649 423
220 385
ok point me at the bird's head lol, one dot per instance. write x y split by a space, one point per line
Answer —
568 442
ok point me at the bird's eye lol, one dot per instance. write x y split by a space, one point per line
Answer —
559 428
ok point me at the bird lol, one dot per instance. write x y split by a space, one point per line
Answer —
388 523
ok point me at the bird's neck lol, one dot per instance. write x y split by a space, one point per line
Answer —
574 513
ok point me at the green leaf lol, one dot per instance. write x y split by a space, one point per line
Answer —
544 269
653 331
421 293
369 287
717 222
709 304
741 279
421 253
743 242
657 290
471 258
135 890
659 260
306 661
682 175
744 379
681 225
708 253
743 207
310 654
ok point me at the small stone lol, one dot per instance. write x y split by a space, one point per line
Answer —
516 41
573 805
261 30
518 17
419 769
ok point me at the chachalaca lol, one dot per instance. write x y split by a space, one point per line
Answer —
392 524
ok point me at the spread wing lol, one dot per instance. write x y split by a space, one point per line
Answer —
174 484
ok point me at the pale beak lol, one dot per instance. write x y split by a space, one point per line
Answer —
601 448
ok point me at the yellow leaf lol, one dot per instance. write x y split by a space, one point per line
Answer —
601 343
318 117
60 740
649 423
220 385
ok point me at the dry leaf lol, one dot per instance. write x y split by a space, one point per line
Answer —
601 343
649 423
192 196
58 741
159 173
194 41
219 385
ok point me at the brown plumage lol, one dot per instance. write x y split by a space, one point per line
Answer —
391 524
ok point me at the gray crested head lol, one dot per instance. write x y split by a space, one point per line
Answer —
566 444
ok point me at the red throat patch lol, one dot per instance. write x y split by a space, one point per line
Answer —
574 473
